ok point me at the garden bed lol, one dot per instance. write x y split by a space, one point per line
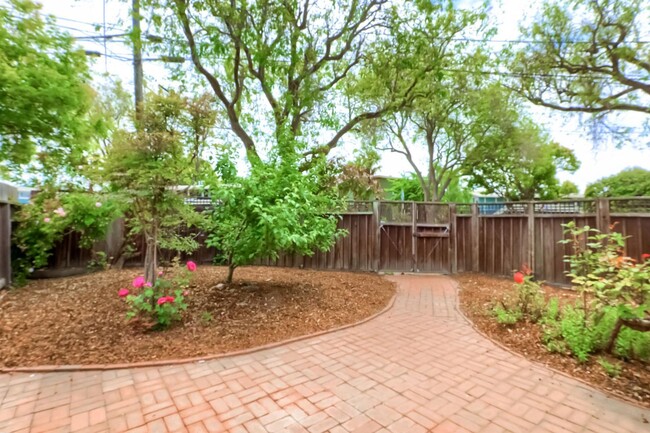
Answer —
478 294
81 320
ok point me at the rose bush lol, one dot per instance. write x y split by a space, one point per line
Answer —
162 303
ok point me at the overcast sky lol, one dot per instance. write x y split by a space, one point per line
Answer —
80 18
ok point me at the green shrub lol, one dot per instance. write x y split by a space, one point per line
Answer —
506 316
577 336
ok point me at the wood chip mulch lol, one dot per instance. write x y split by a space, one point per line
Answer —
478 294
81 320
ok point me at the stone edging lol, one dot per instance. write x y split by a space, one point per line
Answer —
609 394
162 363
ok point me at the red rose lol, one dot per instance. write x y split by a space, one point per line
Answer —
645 256
519 278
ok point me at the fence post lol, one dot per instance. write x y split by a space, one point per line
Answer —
8 194
530 253
453 256
414 239
603 220
475 238
376 205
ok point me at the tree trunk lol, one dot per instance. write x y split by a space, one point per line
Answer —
151 259
231 271
612 338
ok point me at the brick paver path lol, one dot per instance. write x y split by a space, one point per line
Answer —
420 367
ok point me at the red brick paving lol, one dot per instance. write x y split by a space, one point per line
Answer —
420 367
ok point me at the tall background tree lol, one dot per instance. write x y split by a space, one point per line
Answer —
433 129
628 183
44 95
277 65
587 56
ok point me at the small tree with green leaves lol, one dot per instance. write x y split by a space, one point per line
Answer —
608 279
277 208
146 167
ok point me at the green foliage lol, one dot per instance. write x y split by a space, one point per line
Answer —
585 56
567 189
527 302
551 329
50 216
426 67
507 316
517 161
612 370
274 65
147 167
599 269
44 95
206 317
628 183
98 262
406 188
575 333
162 303
277 208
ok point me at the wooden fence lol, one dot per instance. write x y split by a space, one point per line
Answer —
8 195
495 238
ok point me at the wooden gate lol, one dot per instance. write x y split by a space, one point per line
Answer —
414 237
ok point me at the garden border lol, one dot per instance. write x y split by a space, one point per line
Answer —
198 359
608 393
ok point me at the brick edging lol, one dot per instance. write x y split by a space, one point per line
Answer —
607 393
168 362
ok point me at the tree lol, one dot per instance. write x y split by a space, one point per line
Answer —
438 120
587 56
568 188
519 162
146 167
356 178
277 208
44 96
409 188
630 182
277 65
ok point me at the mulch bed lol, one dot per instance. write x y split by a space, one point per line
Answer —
478 294
81 320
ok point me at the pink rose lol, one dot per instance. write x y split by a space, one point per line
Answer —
123 292
98 204
160 274
186 293
138 282
162 300
170 298
60 212
191 266
46 219
148 284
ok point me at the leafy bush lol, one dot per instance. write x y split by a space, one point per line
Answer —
277 208
608 279
575 333
506 316
612 370
551 330
50 216
162 303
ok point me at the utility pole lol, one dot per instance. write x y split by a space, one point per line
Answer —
138 76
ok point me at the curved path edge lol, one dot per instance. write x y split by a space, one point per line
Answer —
169 362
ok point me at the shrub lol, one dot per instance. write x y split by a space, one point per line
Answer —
163 302
52 215
506 316
527 303
577 336
612 370
608 279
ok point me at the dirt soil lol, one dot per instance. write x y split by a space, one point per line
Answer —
479 293
81 320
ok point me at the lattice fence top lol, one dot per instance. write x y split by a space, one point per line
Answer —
630 205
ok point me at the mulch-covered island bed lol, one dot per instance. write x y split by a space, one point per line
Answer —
81 320
478 294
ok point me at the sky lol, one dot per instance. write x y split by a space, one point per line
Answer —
82 17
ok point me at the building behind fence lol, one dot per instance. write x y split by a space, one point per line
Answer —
493 238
